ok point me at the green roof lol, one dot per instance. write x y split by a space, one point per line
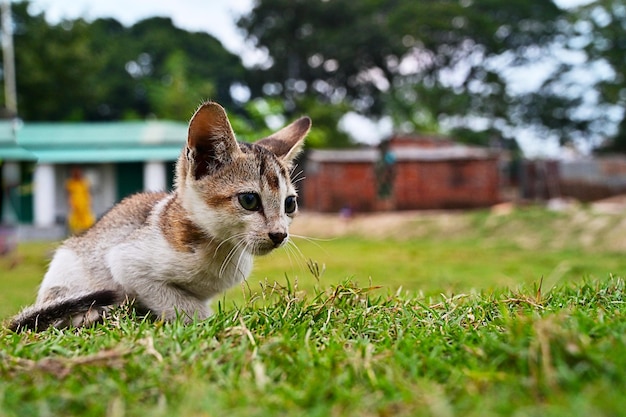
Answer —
9 149
103 142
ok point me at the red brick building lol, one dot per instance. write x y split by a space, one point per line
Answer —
426 174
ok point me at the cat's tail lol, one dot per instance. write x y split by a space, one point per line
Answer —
79 311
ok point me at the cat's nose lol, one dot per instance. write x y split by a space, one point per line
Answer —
277 238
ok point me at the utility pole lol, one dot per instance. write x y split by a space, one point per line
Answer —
8 58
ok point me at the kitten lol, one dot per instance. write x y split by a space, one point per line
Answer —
172 252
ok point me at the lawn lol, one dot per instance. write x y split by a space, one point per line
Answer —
476 319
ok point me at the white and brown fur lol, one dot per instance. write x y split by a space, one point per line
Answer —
172 252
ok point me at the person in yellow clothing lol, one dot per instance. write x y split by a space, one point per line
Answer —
80 217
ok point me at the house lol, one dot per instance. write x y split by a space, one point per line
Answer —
118 158
585 179
405 174
14 161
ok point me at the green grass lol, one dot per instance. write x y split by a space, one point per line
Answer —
474 330
344 352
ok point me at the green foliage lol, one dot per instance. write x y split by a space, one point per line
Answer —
175 94
257 118
104 71
55 66
260 116
326 117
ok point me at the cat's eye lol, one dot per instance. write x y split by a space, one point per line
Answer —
250 201
290 204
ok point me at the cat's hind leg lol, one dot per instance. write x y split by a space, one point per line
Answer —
68 297
66 276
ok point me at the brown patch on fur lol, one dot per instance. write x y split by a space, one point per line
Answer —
179 231
267 162
272 180
215 193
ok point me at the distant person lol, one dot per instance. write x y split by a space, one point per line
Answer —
80 217
385 173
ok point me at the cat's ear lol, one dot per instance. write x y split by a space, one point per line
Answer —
288 142
211 141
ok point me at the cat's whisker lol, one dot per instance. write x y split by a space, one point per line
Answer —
297 177
225 264
313 240
229 256
293 249
231 238
288 250
246 248
293 169
240 248
210 242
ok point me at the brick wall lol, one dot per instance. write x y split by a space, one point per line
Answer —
446 184
436 184
332 186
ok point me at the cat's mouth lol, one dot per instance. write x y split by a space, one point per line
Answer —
262 251
265 247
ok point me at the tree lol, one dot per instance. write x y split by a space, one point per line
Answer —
176 94
164 54
598 30
77 70
56 69
424 62
159 70
262 116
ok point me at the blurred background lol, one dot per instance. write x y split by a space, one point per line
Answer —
429 105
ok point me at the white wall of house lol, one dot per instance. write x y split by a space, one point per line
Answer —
105 193
154 176
44 195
